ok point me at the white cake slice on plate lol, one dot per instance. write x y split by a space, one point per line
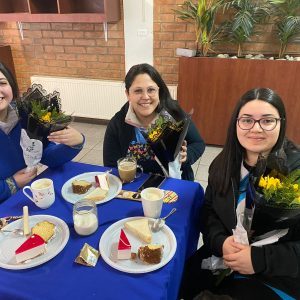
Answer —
96 195
140 228
102 181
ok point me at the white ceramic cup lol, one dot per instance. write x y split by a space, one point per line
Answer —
42 192
152 201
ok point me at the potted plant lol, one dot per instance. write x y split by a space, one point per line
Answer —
245 15
202 15
287 21
211 86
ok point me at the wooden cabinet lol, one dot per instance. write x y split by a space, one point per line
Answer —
212 87
60 10
6 58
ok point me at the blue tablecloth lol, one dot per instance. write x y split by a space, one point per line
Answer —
61 278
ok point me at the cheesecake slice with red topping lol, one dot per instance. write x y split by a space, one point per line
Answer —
32 247
124 247
102 181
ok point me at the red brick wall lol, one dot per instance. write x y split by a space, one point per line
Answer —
79 49
65 49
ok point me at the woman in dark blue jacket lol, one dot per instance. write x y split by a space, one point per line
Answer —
147 95
64 144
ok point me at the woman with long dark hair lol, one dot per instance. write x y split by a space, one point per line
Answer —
147 96
256 129
64 144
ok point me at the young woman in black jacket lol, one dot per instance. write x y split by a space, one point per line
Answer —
147 95
257 127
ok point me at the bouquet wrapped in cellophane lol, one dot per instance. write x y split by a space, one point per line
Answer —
165 138
40 114
275 192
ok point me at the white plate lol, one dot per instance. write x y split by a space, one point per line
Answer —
110 238
115 187
9 242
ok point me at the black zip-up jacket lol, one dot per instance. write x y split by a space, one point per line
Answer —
277 264
119 134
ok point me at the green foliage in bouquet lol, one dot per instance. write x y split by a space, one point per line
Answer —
47 115
281 191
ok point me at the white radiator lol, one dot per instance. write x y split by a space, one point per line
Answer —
89 98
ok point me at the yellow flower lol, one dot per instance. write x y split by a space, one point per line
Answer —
273 183
295 186
262 182
46 117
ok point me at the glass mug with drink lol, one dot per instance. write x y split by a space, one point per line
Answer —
85 217
42 192
129 169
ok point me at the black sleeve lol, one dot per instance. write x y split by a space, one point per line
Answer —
280 259
112 149
214 232
195 144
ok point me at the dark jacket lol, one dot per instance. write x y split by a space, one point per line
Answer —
277 264
119 134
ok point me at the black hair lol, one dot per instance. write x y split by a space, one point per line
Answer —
11 80
228 162
165 99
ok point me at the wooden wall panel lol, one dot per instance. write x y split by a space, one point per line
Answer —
212 86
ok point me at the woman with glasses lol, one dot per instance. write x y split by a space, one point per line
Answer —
257 128
64 144
147 95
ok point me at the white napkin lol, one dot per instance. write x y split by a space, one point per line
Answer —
174 168
32 150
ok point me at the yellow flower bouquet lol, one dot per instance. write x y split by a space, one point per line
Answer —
276 202
40 113
283 191
165 137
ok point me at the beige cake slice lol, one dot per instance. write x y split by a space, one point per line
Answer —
96 195
140 228
44 229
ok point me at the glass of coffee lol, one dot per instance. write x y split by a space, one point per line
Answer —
129 169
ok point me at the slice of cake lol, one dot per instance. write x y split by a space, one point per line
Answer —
44 229
32 247
102 181
140 228
80 186
124 247
96 195
151 254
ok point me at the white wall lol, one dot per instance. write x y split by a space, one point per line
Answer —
138 32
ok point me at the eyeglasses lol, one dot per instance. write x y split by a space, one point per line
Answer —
151 91
247 123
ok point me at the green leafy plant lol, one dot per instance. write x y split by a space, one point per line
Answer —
202 15
246 14
287 21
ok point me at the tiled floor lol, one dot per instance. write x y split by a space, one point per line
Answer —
92 153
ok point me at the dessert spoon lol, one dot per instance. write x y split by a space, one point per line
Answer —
159 223
16 231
